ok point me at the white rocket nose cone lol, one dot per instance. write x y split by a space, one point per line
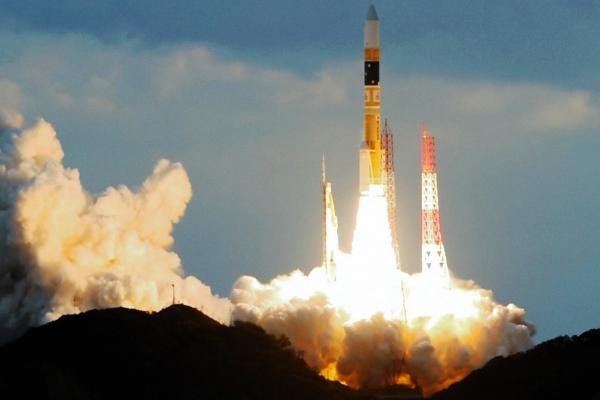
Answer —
372 29
372 14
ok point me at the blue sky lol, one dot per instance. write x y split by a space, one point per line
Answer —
247 95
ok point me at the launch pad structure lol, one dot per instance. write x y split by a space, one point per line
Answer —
387 144
433 254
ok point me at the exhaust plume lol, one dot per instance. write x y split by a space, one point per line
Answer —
376 325
457 330
64 250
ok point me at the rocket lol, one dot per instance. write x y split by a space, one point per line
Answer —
371 169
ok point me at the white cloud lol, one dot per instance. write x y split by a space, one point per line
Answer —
514 108
566 111
198 67
123 78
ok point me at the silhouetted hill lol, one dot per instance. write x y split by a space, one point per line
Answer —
561 368
180 353
176 353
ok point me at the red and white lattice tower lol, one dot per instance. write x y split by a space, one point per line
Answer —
433 261
387 145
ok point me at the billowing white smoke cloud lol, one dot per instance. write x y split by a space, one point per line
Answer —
375 325
63 250
450 331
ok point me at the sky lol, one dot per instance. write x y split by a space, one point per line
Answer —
248 94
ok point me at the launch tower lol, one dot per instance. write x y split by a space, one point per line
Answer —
433 261
387 147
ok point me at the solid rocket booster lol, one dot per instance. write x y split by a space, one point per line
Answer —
330 227
371 170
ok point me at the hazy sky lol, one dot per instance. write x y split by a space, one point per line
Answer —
247 94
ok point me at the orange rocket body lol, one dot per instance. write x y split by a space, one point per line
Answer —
371 169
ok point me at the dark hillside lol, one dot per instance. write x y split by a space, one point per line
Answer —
177 353
561 368
180 353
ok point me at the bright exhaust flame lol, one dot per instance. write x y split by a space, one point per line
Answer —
372 262
375 325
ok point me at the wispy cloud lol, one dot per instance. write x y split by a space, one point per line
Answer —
121 78
198 67
516 108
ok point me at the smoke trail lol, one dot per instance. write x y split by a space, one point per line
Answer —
63 250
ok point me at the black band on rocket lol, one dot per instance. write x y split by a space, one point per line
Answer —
371 72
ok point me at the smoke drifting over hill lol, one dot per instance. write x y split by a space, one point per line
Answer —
64 250
449 332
